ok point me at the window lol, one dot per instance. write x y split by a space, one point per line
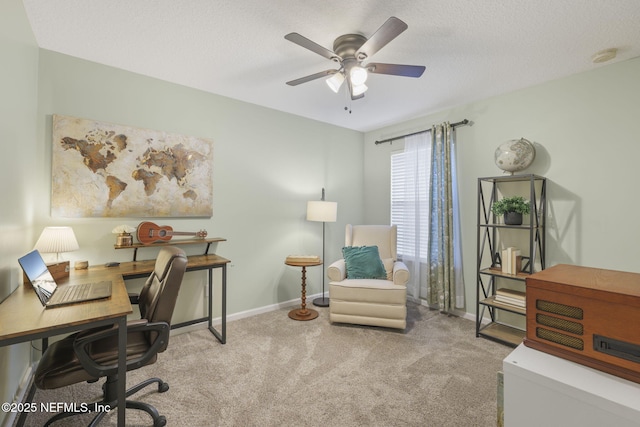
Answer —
404 208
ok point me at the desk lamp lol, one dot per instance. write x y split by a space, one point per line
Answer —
322 211
56 240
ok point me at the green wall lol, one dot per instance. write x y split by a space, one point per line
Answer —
267 165
588 146
18 104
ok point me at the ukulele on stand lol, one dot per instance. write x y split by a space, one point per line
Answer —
148 233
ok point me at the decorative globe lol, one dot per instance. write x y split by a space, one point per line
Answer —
515 155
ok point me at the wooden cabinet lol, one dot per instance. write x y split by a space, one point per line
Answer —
587 315
493 235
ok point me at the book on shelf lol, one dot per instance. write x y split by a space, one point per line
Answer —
511 293
516 261
513 302
511 261
506 260
511 296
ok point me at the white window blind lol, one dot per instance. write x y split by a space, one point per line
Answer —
405 207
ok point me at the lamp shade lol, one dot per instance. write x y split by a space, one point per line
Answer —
335 81
358 75
358 89
319 210
56 240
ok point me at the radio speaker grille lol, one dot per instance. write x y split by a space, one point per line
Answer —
561 309
559 338
562 324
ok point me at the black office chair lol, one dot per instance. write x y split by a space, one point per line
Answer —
93 354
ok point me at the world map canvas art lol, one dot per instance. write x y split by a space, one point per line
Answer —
107 170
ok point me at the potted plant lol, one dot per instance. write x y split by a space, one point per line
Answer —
512 208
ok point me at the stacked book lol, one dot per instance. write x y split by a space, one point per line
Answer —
511 297
303 258
511 261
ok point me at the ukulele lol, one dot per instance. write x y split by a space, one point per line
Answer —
148 232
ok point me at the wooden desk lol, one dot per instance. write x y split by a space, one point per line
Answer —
23 318
142 269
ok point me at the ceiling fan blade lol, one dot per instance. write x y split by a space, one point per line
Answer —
311 77
396 69
387 32
312 46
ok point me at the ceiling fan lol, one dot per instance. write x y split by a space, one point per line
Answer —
350 51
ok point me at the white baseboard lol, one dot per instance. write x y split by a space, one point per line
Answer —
269 308
21 392
286 304
459 313
244 314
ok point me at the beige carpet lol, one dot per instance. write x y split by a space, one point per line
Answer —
275 371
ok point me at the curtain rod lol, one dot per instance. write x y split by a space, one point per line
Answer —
453 125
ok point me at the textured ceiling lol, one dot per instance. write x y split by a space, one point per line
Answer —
236 48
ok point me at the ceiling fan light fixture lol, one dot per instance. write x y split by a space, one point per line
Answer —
358 75
350 51
335 81
358 89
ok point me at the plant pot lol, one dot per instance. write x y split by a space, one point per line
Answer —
513 218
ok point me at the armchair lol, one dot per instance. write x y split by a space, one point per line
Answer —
93 354
370 301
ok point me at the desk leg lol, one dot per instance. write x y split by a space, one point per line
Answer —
210 313
122 369
222 337
224 303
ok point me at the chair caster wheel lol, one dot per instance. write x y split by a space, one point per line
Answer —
163 387
161 421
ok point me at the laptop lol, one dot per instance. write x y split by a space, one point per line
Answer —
52 295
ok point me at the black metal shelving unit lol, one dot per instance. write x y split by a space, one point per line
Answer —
489 271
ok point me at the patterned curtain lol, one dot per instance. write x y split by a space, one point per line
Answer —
445 283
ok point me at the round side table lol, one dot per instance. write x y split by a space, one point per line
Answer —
303 313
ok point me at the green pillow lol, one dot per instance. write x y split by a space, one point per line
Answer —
363 262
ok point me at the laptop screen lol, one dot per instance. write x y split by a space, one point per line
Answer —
37 272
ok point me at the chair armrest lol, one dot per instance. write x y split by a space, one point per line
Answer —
134 298
400 273
83 341
337 271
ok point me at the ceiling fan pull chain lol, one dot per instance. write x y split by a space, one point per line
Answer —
348 99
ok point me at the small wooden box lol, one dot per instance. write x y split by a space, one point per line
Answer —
587 315
58 270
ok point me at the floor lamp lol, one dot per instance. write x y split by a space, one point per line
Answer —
322 211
